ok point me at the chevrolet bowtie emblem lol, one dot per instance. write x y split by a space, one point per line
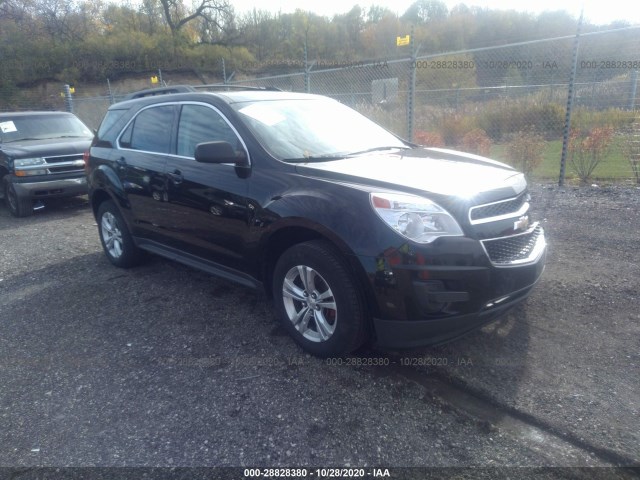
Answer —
522 223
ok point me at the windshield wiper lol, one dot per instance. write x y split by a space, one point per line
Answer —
317 158
375 149
343 155
21 140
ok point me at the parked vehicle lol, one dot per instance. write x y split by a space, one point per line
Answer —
356 234
41 156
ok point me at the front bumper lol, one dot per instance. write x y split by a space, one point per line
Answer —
62 187
420 333
425 304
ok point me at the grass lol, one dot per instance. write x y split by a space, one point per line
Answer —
614 167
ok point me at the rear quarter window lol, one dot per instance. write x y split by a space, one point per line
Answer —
110 120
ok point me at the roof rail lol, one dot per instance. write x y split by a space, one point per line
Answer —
222 86
150 92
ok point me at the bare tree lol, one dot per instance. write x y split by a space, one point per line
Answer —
214 12
65 20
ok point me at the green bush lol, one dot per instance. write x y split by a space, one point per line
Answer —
587 119
500 120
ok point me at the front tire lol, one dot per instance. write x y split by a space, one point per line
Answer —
18 206
318 300
116 240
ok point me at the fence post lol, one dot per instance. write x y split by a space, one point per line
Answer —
68 99
634 89
111 99
307 70
412 87
570 95
224 72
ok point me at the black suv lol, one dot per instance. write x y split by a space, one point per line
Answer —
355 233
41 156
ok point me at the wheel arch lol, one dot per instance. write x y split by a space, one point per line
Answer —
98 197
287 236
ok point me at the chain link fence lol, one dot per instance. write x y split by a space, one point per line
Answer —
509 102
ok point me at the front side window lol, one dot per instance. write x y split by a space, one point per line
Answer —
199 124
150 130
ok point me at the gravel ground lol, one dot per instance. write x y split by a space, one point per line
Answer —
570 357
165 366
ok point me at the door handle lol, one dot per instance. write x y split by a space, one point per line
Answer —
176 176
121 162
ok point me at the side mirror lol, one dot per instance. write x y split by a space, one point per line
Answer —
219 152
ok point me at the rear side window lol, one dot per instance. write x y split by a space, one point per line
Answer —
109 120
200 124
150 131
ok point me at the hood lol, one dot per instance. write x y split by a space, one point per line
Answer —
431 170
49 147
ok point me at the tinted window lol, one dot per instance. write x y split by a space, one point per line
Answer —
151 130
200 124
109 120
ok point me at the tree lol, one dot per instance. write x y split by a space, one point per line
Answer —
375 13
215 12
423 11
151 15
59 18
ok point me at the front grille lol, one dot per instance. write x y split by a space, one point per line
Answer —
65 163
516 248
496 209
63 158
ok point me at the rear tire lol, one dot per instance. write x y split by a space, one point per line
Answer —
116 240
18 206
318 300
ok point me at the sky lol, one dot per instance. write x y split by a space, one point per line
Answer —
598 12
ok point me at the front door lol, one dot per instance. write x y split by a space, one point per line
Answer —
207 203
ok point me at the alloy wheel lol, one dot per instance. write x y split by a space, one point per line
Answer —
309 303
111 235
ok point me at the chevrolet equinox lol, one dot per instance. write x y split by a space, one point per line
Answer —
356 234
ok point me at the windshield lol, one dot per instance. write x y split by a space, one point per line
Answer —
39 127
314 129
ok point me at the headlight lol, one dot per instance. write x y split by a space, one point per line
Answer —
28 162
414 217
28 166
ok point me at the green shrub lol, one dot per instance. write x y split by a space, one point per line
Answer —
500 121
586 119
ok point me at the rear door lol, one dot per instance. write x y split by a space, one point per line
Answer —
140 162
